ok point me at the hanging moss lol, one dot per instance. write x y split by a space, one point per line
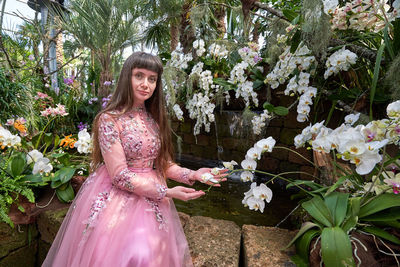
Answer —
272 49
392 79
199 12
316 30
174 79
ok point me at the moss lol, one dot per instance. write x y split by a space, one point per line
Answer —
392 79
316 29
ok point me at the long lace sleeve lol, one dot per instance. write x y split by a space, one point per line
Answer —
115 161
180 174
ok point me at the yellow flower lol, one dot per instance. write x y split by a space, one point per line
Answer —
19 126
67 141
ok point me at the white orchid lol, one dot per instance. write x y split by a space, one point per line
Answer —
254 153
216 170
206 177
84 143
249 164
351 118
266 145
393 109
263 192
41 166
246 176
229 165
255 204
33 156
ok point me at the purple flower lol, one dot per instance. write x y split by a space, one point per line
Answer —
257 58
107 83
105 101
31 57
82 126
69 81
93 99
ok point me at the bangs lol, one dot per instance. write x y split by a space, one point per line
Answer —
146 61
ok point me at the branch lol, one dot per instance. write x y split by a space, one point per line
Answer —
63 65
275 12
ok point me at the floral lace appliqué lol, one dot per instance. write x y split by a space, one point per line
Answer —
123 180
159 216
108 134
97 206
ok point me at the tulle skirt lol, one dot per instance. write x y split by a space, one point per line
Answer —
106 226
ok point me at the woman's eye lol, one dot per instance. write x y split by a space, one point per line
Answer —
152 79
138 75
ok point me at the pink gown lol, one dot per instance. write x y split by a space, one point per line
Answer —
121 216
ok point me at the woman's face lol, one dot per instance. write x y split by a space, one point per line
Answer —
144 82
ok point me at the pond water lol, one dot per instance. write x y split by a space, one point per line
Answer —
225 202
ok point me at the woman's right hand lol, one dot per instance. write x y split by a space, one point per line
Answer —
184 193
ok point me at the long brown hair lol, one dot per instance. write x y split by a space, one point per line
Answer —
122 101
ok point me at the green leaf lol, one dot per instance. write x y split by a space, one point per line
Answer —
65 174
304 228
350 223
66 195
336 185
336 248
268 106
379 203
56 140
17 164
48 138
290 14
257 84
281 111
32 178
303 243
381 233
21 208
355 203
388 42
296 39
319 211
375 79
386 215
337 204
311 184
299 261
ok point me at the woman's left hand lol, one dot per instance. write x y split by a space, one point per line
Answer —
220 177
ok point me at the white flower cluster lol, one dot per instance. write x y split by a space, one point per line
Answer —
254 198
250 55
361 144
206 80
300 84
338 61
179 59
178 112
362 15
198 45
218 51
84 143
244 87
197 69
41 165
201 109
287 63
258 121
7 139
254 153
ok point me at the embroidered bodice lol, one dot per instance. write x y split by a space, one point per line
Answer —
130 143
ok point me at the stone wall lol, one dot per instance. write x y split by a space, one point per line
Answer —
230 141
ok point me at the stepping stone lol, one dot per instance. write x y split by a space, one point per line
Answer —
262 246
213 242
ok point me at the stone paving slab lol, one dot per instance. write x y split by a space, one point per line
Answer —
213 242
262 246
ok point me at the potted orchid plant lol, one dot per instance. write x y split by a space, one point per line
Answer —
27 161
364 198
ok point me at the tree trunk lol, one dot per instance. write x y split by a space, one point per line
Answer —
256 32
106 75
174 31
247 5
186 35
220 16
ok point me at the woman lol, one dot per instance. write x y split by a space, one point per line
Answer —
124 214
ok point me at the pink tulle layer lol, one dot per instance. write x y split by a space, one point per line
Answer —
106 226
